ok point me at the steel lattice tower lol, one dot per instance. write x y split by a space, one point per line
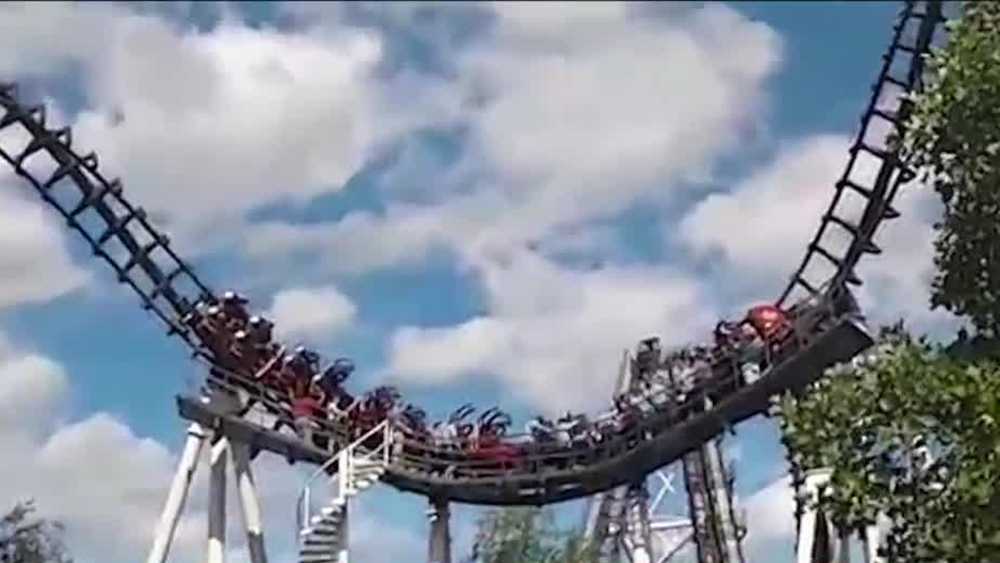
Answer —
709 484
629 521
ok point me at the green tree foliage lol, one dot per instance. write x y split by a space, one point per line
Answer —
912 433
953 139
526 535
24 539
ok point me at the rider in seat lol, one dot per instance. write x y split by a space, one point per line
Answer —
334 376
234 306
306 398
772 326
260 330
769 321
647 360
727 335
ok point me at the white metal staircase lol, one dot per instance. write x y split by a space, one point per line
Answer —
323 535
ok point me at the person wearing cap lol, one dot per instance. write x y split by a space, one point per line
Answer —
234 306
769 321
261 330
306 405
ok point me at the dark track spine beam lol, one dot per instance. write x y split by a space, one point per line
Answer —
98 195
892 173
555 476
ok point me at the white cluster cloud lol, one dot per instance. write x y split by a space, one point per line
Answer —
263 118
554 335
103 482
564 129
588 110
44 38
760 230
107 485
259 116
760 227
35 265
359 242
311 314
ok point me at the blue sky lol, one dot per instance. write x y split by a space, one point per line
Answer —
438 192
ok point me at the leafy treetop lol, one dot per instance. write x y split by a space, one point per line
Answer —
913 434
953 141
24 539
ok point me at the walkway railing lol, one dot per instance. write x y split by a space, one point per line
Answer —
346 460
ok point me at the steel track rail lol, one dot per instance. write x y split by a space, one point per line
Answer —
158 276
96 198
658 439
892 173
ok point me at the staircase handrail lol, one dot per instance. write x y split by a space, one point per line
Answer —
346 466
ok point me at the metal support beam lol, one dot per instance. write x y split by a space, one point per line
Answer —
810 522
604 526
870 539
670 533
178 494
843 546
439 544
342 555
640 548
249 502
217 503
725 517
818 539
625 523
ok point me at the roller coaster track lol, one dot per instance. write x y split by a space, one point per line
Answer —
96 209
908 53
151 268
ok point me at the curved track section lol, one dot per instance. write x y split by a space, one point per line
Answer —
117 232
826 327
874 173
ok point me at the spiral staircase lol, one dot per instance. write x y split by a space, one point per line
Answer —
323 535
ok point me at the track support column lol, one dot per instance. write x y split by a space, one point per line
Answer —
439 545
810 523
217 503
843 546
637 505
178 494
870 539
725 517
345 524
249 502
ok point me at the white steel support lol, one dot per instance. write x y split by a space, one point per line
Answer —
249 502
596 517
843 546
621 523
810 523
603 524
606 521
222 450
870 539
178 494
439 545
723 509
345 525
670 533
640 550
217 503
814 526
